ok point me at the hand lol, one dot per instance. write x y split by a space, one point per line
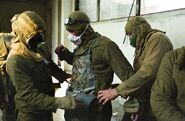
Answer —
64 54
106 95
60 49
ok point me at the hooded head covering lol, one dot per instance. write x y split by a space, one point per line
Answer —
77 21
26 25
139 26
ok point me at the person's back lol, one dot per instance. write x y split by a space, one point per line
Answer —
9 109
167 97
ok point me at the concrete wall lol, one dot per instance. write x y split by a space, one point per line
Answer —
60 10
9 8
171 22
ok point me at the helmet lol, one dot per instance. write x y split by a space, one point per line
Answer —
77 17
26 25
77 21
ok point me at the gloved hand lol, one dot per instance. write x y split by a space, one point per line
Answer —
66 102
64 54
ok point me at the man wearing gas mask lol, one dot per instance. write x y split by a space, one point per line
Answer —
150 47
94 60
9 107
30 68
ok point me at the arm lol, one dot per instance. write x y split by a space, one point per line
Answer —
117 61
120 65
163 94
57 72
155 49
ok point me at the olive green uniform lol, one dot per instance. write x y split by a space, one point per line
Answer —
151 45
32 80
31 75
167 97
95 61
9 110
3 54
106 59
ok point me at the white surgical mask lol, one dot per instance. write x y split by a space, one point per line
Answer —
76 39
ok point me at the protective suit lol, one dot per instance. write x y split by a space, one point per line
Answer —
150 47
3 91
167 96
9 109
95 59
30 74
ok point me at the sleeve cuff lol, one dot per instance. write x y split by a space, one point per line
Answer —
119 90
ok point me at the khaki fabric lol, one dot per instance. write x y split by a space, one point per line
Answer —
167 97
106 59
30 75
2 86
78 27
27 24
151 46
33 92
3 54
9 109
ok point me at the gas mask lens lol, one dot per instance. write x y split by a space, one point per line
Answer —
69 21
35 40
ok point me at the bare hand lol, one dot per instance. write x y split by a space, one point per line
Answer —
107 95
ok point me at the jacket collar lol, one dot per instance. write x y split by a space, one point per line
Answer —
84 47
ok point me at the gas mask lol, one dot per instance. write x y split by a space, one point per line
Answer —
37 44
76 39
132 39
